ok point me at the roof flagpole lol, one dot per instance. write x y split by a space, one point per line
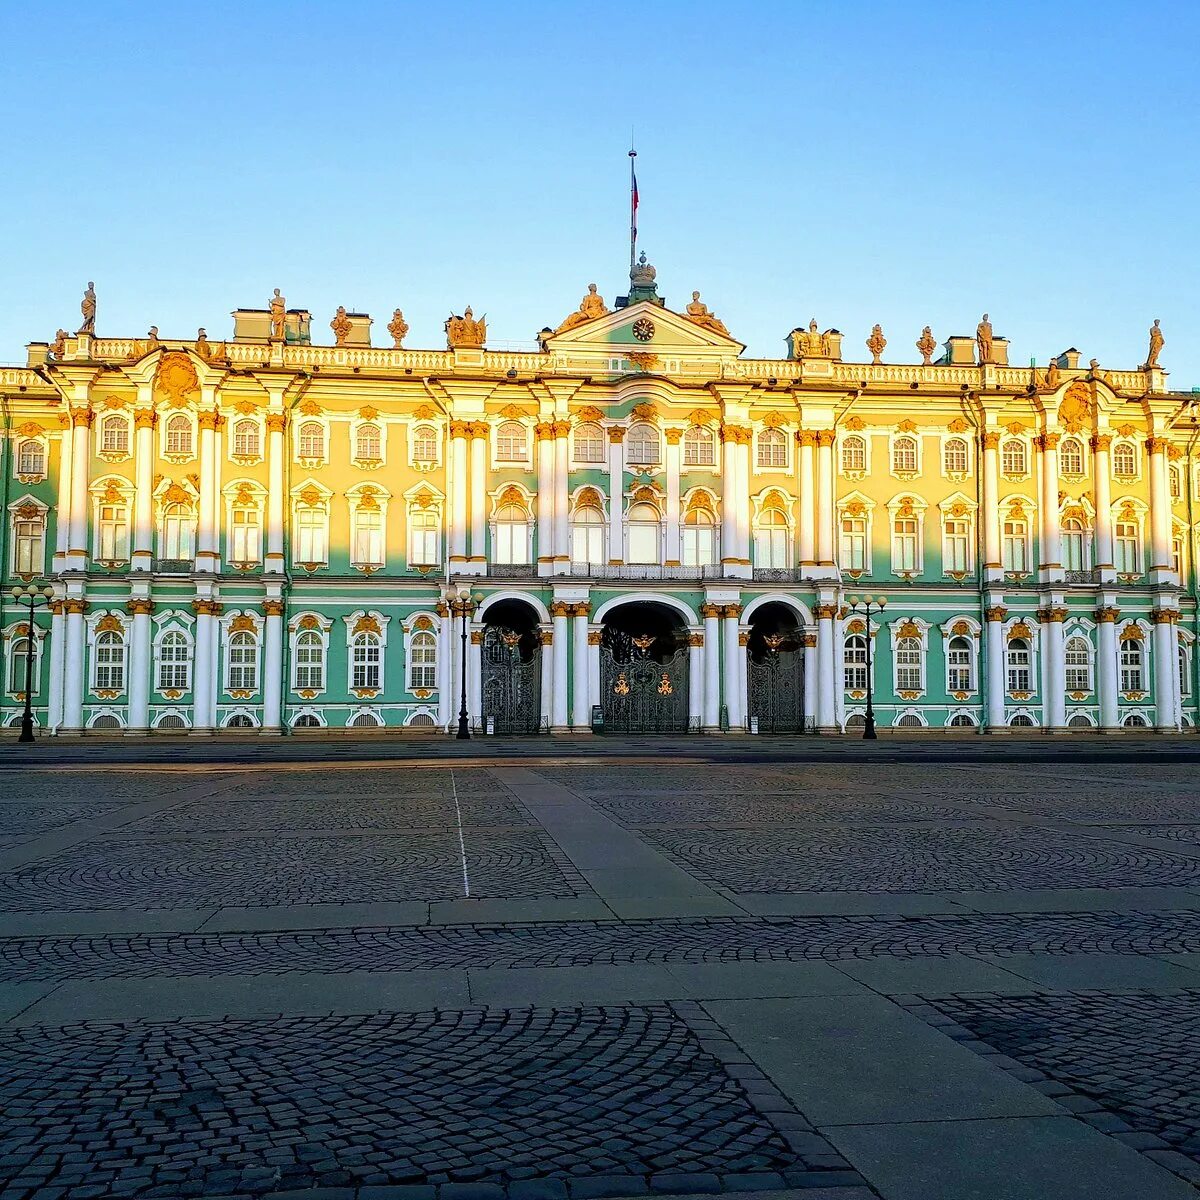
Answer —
633 205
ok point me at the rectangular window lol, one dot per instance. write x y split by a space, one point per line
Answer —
246 536
1018 671
29 547
957 551
368 538
310 536
1131 667
112 533
1016 546
904 544
1127 552
423 534
854 656
854 544
587 543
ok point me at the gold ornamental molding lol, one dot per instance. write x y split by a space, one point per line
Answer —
1107 615
136 608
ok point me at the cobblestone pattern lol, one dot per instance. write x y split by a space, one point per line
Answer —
369 782
900 859
1189 834
121 871
43 816
648 1094
641 811
1127 1064
582 943
91 787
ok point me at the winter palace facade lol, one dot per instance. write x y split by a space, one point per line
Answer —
633 529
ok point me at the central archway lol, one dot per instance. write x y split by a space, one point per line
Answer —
775 669
511 681
644 669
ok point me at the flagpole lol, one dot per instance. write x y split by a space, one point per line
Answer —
632 211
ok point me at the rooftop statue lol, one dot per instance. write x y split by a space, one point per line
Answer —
590 307
340 325
983 339
813 343
59 346
698 312
397 327
1156 345
926 345
202 348
278 307
876 343
1052 374
87 306
465 332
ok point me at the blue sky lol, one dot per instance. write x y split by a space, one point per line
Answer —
905 163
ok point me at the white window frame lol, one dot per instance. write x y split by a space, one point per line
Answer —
1132 446
894 442
1016 441
947 472
39 471
648 435
516 462
968 542
300 625
121 664
165 423
299 436
600 436
630 524
160 664
592 532
1063 469
115 421
254 665
35 540
246 457
699 436
852 472
779 444
1088 666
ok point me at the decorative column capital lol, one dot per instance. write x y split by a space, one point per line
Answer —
207 608
997 613
543 430
825 612
74 607
594 636
477 637
583 609
743 638
1156 445
546 637
144 418
139 608
1051 615
825 437
731 612
710 610
272 608
806 437
695 639
1108 615
560 608
82 416
1047 441
808 641
673 436
616 434
208 419
1100 441
442 608
991 440
276 422
460 429
1163 616
478 429
561 429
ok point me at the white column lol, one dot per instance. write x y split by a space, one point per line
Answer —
54 715
62 516
272 718
806 440
558 700
81 453
741 674
729 488
1160 511
826 508
1050 566
616 496
479 446
562 480
995 666
809 642
74 681
581 713
1166 668
593 664
544 440
1054 708
1106 665
712 665
1102 499
546 635
733 687
742 457
218 458
993 565
455 667
459 513
206 528
202 667
826 682
276 423
142 558
695 679
672 557
445 664
139 666
475 676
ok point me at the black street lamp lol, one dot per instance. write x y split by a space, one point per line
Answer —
34 596
463 603
866 605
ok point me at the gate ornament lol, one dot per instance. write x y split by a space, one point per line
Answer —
664 688
644 642
621 687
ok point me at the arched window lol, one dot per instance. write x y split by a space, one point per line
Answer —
772 449
854 453
1016 544
587 535
310 661
1134 721
368 537
312 534
1127 543
29 543
511 539
855 721
1013 459
1078 659
245 535
424 536
909 663
956 545
18 664
114 435
1175 482
1079 721
179 434
366 656
368 445
1185 670
910 721
239 721
642 446
962 721
312 440
511 443
110 662
904 455
422 661
1019 674
1133 665
772 539
177 540
170 721
954 456
425 444
242 674
699 538
854 658
1124 460
644 534
246 439
1021 721
422 721
306 721
1075 545
366 720
1070 456
698 447
31 458
174 662
854 543
959 666
589 443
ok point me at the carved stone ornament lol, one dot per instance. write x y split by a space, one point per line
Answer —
109 624
876 343
242 623
854 424
366 624
340 325
175 381
465 332
958 425
697 312
590 307
1075 411
397 327
926 345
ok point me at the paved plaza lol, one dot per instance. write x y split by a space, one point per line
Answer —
570 976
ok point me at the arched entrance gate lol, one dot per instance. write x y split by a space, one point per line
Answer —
775 670
512 669
644 670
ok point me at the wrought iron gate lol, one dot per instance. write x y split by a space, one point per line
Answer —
641 694
512 681
776 690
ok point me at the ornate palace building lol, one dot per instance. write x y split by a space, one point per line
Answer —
634 524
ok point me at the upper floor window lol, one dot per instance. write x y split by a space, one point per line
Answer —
424 530
698 447
511 442
1078 659
425 444
368 537
1019 674
422 661
246 441
587 535
956 551
589 443
177 537
112 533
246 535
368 445
312 440
1175 482
854 453
642 446
1127 543
1070 456
1013 459
644 534
904 454
699 538
179 434
954 456
114 435
771 540
511 539
904 544
242 670
1075 545
1016 545
174 662
1124 460
31 457
312 541
772 449
29 544
854 543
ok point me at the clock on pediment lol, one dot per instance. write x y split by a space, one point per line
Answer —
643 329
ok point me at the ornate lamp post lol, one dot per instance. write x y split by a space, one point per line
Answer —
866 605
463 603
34 596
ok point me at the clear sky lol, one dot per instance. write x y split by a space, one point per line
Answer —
906 163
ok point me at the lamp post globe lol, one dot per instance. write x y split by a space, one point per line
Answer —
33 595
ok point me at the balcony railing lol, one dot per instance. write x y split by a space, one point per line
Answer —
776 574
497 570
174 566
1087 575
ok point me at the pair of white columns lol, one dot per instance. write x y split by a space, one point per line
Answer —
468 493
553 497
735 497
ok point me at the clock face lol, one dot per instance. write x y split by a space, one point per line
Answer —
643 329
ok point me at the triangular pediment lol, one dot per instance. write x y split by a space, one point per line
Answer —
645 328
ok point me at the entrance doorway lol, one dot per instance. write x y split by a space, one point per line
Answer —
512 669
775 667
644 670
